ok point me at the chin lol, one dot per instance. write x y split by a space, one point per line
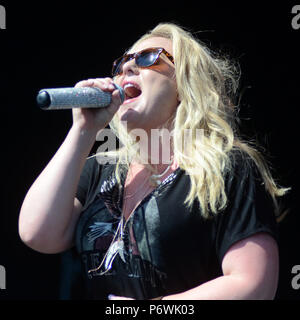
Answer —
129 115
131 118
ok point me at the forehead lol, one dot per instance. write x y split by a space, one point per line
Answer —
153 42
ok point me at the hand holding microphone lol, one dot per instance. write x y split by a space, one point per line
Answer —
69 98
93 102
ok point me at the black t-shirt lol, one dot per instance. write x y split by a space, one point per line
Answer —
176 249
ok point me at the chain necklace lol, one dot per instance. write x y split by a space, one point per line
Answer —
155 178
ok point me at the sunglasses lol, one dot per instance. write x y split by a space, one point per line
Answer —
143 59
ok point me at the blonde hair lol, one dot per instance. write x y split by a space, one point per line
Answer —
206 85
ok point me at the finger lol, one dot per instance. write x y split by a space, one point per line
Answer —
105 84
85 83
118 96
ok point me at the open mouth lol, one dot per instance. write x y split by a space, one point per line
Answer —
132 91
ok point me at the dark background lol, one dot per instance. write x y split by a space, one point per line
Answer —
48 44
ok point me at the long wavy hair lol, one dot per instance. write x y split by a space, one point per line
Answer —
207 85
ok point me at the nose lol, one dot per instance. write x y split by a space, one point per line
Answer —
130 67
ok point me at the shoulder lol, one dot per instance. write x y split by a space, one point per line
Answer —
241 169
93 174
91 166
94 169
246 189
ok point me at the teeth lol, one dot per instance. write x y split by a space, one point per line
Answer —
131 90
129 85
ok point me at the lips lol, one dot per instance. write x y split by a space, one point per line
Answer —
132 90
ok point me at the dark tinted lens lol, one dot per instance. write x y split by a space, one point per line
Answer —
118 65
147 58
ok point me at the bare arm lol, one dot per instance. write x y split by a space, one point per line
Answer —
47 212
250 269
250 272
50 210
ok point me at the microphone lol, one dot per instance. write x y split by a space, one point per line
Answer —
68 98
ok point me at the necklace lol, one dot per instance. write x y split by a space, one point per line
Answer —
155 179
117 246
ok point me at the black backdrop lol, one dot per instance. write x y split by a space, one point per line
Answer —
48 44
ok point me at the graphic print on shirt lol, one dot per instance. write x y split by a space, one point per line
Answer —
141 235
172 241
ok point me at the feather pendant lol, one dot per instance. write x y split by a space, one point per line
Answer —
115 249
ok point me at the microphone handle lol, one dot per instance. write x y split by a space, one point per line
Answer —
68 98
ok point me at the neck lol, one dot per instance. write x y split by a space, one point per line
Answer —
155 147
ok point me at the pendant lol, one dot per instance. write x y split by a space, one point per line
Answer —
154 181
115 249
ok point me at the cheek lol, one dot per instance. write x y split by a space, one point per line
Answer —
167 98
161 90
